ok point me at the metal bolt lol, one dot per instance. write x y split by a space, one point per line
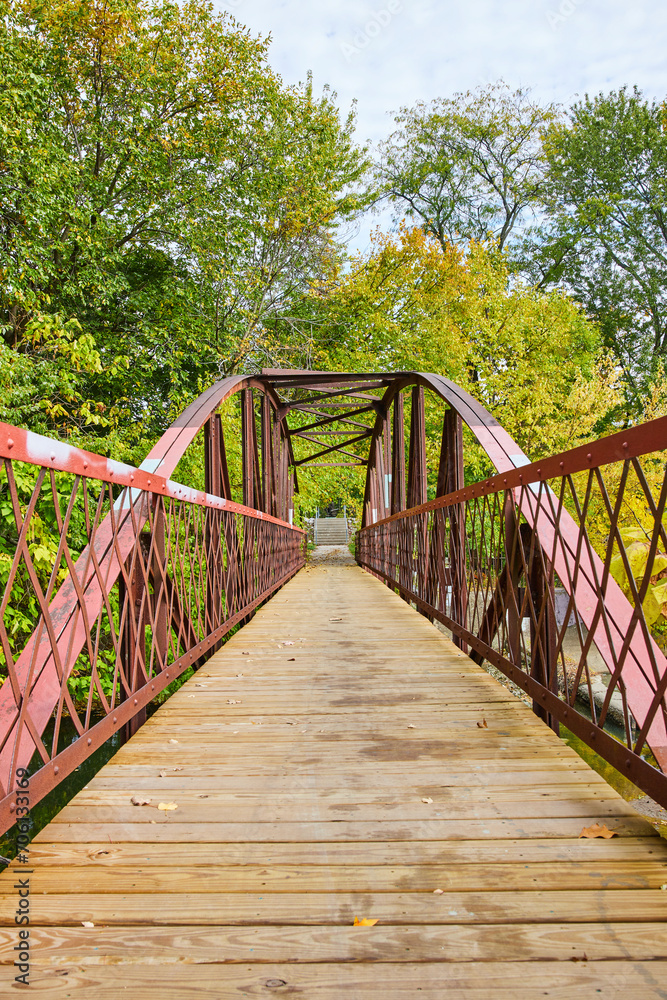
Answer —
10 443
55 770
89 741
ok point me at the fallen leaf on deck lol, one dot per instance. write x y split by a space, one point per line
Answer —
288 643
438 892
233 701
410 726
239 675
427 801
137 800
201 685
291 659
167 806
335 619
243 653
87 923
173 741
365 922
177 768
597 831
162 774
483 724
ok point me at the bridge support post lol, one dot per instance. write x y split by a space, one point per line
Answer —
132 597
543 660
398 457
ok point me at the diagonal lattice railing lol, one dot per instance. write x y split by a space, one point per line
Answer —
122 579
555 572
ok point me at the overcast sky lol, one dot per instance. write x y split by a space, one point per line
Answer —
392 53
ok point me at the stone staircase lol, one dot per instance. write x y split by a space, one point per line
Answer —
331 531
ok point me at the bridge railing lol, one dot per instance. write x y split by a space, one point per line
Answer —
113 581
556 574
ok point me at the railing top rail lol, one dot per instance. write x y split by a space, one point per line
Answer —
20 445
626 444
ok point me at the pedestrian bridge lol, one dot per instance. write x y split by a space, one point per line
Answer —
340 800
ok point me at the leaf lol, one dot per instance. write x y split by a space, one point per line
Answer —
162 774
234 701
438 892
288 643
483 724
167 806
597 831
173 741
364 922
292 659
411 726
244 653
335 619
137 800
427 801
87 923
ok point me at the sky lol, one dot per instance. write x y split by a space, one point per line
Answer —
390 54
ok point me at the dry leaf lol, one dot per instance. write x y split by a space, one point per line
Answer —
162 774
177 768
288 643
137 800
597 831
291 659
365 922
410 726
335 619
201 685
167 806
233 701
427 801
483 724
173 741
87 923
243 653
438 892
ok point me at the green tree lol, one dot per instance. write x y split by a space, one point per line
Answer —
605 238
530 357
162 195
467 167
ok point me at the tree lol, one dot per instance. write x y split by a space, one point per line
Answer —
606 235
467 167
530 357
163 194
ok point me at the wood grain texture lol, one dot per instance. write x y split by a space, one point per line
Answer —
299 758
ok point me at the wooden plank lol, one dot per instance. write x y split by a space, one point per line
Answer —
404 944
561 875
266 908
444 852
613 980
171 830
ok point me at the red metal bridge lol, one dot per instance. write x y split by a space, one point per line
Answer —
549 572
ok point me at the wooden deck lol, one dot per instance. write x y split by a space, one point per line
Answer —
332 763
